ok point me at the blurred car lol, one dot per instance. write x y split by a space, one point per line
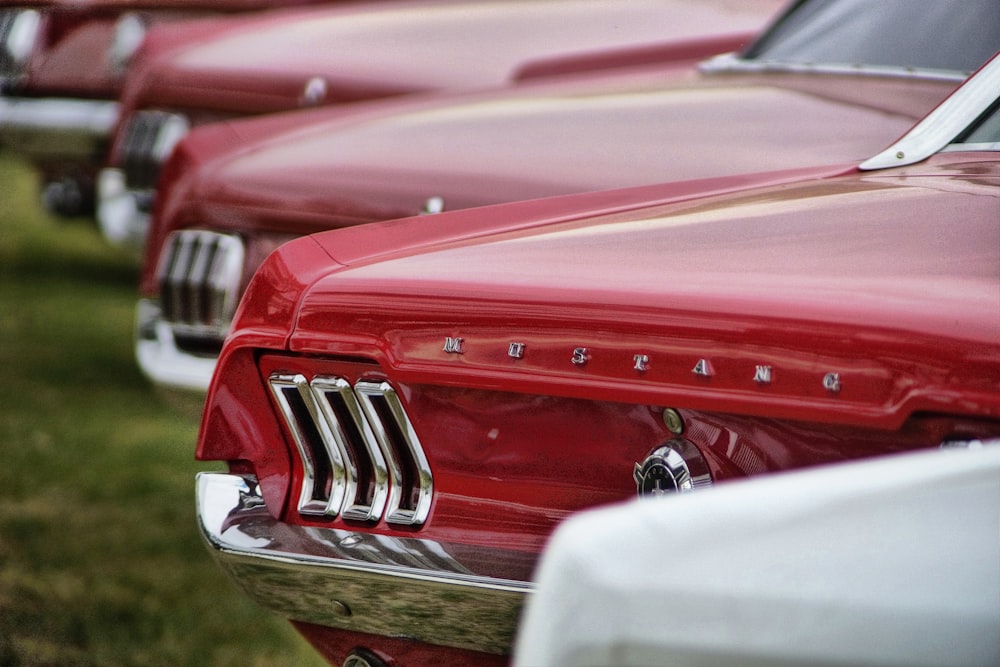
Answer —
409 408
889 562
234 191
227 68
61 69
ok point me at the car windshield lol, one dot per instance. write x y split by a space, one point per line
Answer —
945 35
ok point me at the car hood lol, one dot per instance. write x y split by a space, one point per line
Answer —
543 141
378 49
872 277
192 5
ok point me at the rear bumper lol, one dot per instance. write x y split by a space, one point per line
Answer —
57 128
421 589
161 359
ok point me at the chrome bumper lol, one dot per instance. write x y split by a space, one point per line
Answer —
57 128
400 587
160 358
122 214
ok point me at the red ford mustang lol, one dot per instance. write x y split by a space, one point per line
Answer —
226 68
61 69
408 408
234 191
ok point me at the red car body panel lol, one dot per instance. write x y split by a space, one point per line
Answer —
521 362
218 69
888 280
71 55
59 105
304 173
261 65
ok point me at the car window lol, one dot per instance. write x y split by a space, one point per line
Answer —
953 35
986 130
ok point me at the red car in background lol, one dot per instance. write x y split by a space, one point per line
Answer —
814 87
409 408
227 68
61 69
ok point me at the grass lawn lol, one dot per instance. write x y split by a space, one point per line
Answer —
100 559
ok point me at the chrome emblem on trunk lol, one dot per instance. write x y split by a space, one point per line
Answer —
702 368
674 467
641 362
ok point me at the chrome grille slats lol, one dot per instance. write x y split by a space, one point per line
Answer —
199 277
368 437
149 137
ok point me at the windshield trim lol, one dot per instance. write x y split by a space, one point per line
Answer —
728 63
945 123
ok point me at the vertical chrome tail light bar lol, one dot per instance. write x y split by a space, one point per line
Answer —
361 457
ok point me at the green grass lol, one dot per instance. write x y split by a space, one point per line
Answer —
100 560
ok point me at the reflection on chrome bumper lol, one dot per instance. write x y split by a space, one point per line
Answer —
399 587
161 359
122 214
57 128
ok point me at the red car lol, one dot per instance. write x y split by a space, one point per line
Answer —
61 69
408 409
226 68
234 191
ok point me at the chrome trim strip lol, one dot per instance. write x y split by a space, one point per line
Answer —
50 126
732 63
159 357
426 590
945 123
401 510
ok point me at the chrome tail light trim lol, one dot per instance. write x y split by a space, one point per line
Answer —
324 478
367 474
199 276
412 485
360 454
149 138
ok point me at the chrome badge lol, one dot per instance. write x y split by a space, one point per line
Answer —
674 467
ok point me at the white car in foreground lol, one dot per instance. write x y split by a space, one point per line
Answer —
893 561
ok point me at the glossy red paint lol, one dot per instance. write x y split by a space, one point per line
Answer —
60 103
364 52
218 69
887 279
327 169
71 53
540 351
